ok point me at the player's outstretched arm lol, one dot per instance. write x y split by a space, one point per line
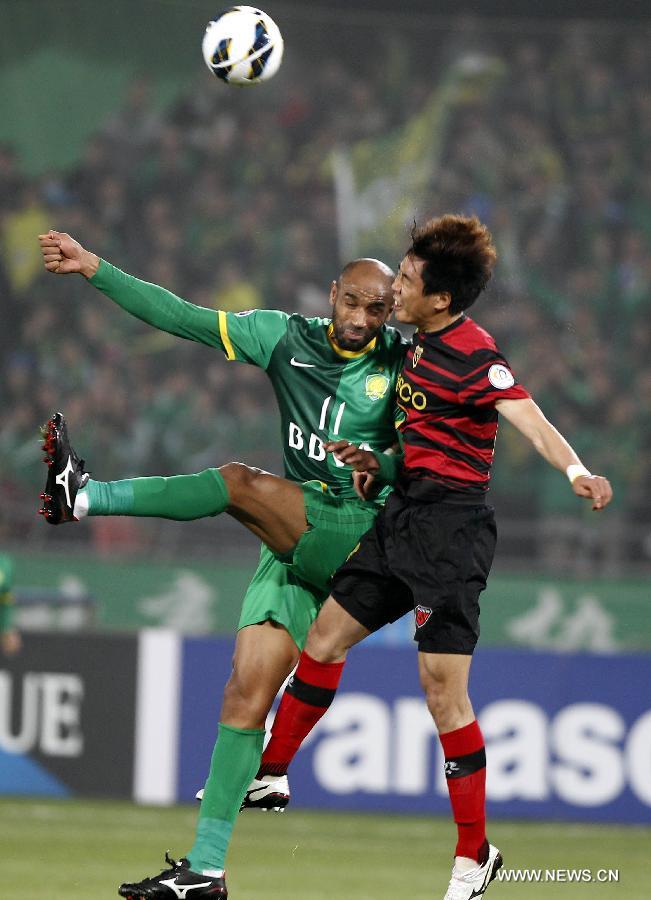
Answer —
150 303
550 443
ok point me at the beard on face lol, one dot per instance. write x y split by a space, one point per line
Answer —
347 343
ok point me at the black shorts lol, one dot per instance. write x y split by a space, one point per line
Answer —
430 556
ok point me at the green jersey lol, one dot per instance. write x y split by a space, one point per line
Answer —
324 393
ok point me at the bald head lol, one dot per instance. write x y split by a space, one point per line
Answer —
366 266
362 301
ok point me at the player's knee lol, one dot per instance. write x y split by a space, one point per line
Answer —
447 702
240 480
244 702
324 644
440 705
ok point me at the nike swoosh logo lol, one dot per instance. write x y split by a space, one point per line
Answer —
300 365
182 892
62 479
257 793
487 880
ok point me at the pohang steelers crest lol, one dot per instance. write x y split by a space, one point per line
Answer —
376 386
422 614
242 46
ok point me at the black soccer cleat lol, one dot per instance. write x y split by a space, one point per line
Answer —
177 881
66 473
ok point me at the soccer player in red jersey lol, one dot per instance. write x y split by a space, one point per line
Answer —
431 547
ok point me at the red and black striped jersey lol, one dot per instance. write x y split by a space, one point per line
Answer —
447 390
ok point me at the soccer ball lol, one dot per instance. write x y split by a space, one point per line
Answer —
243 46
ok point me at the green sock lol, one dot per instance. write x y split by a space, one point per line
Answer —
235 760
180 497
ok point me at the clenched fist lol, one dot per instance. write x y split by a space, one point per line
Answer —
64 255
595 488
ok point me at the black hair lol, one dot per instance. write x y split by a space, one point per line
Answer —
459 256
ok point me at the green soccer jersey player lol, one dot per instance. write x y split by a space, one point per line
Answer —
334 381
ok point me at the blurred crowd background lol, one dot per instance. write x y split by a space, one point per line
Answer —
227 198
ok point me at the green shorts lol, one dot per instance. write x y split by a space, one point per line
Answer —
290 589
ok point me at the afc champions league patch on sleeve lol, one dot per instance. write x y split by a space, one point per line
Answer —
500 377
422 614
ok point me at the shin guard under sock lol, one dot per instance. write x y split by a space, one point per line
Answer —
234 762
180 497
306 698
465 772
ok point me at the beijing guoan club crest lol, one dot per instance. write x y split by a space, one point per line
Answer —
376 386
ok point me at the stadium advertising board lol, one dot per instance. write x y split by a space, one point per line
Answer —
567 736
67 707
552 613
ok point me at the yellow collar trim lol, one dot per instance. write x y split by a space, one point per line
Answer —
349 354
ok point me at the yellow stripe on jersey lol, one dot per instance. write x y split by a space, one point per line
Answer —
349 354
223 333
322 484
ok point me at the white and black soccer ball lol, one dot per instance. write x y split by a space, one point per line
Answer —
243 45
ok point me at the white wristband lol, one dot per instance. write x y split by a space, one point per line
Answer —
576 471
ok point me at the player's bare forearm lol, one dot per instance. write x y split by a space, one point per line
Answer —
528 418
63 255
